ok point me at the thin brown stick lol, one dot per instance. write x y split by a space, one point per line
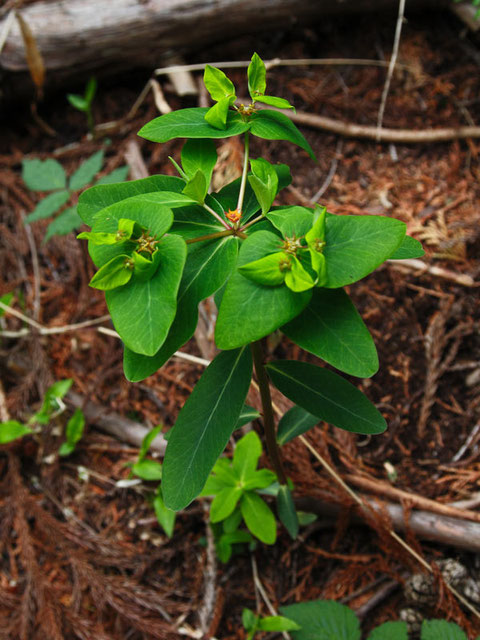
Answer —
383 489
412 264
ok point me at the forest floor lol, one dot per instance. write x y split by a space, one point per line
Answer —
83 557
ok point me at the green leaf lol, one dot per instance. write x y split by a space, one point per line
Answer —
410 248
148 470
224 545
247 415
90 90
257 76
197 187
264 183
250 311
224 471
153 302
86 171
293 222
147 441
277 623
204 426
44 175
190 123
297 278
269 270
11 430
286 511
117 175
356 245
73 432
51 400
48 206
93 200
331 328
323 620
390 630
273 101
217 115
66 222
78 102
441 630
246 455
327 396
293 423
207 266
258 517
249 619
224 503
200 155
115 273
165 516
260 479
273 125
217 83
7 298
233 521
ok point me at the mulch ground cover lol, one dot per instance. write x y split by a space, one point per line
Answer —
85 558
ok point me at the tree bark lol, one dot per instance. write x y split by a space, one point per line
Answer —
77 38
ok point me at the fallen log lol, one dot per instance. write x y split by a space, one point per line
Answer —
77 38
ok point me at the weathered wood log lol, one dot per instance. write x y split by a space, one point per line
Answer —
77 38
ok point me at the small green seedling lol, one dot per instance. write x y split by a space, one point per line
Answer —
84 103
253 623
151 471
235 484
322 619
49 175
165 243
52 406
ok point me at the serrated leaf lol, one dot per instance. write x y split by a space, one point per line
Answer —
154 301
273 125
390 630
356 245
149 470
323 620
331 328
93 200
165 516
117 175
273 101
286 511
441 630
293 423
410 248
66 222
190 123
258 517
257 76
12 430
224 503
86 171
250 311
204 426
327 396
48 206
45 175
246 455
217 83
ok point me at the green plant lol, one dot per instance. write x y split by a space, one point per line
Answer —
52 406
163 244
253 623
84 103
49 175
330 620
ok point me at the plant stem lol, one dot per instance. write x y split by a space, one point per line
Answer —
211 236
215 215
249 224
268 419
243 183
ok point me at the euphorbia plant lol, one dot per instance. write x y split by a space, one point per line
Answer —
164 243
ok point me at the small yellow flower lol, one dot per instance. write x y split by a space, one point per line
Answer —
233 216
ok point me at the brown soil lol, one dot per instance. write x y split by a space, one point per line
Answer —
82 558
